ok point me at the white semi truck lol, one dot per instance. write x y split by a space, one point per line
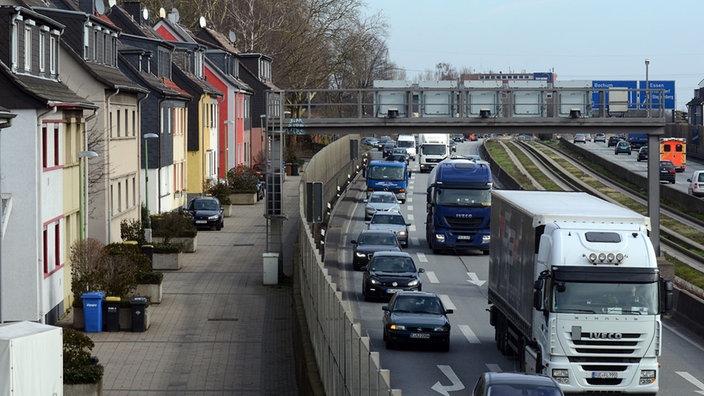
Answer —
575 291
432 148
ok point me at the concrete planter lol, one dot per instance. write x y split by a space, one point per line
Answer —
243 198
151 291
166 261
227 210
190 244
84 389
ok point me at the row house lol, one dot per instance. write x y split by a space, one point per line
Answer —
203 111
39 164
147 59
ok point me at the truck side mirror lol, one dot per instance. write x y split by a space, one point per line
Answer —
667 299
538 294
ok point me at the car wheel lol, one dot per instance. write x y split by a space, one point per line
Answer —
221 225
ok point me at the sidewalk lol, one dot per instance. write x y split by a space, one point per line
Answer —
218 330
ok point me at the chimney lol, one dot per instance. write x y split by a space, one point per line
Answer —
133 8
87 6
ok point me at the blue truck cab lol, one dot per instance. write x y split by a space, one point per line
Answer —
388 176
459 205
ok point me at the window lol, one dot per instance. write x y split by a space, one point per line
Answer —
95 45
51 247
86 42
56 146
134 123
45 148
118 123
134 191
42 53
127 128
15 46
27 48
119 197
53 46
110 125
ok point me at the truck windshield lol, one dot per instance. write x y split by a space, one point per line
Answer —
463 197
387 173
434 149
405 143
605 298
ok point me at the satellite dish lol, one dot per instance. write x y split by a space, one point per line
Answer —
99 7
201 22
112 3
145 14
162 12
175 16
232 36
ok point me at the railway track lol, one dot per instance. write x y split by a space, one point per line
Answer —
560 168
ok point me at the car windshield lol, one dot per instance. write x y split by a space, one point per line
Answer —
418 304
700 178
203 204
393 264
606 298
376 239
380 218
385 198
463 197
386 172
522 390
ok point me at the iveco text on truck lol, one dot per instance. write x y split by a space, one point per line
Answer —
432 148
459 205
575 291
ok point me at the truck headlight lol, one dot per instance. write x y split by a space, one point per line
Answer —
647 377
440 237
486 238
562 376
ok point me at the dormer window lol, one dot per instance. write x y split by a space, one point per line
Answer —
198 64
42 50
27 48
53 51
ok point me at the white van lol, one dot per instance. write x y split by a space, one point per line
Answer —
409 143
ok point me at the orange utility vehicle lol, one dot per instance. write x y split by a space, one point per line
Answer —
675 150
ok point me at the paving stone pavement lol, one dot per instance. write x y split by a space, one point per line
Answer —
218 329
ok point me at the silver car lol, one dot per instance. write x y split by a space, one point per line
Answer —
380 201
392 221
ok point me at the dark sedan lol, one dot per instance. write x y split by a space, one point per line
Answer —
207 213
516 384
369 242
388 273
613 140
415 317
667 172
643 153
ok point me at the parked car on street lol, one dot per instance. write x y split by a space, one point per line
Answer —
623 147
416 317
643 153
207 212
600 137
380 201
392 221
369 242
388 273
696 184
516 384
667 172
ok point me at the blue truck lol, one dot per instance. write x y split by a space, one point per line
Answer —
459 205
388 176
637 140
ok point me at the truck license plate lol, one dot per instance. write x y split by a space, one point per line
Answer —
604 374
464 237
420 335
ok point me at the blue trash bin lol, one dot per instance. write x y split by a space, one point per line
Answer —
93 311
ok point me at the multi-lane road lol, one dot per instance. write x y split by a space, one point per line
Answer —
460 279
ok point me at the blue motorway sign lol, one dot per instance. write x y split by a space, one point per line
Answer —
602 88
668 89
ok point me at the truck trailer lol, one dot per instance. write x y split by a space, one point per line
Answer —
459 205
575 292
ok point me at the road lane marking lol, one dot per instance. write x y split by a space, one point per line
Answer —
411 218
409 208
447 302
411 228
469 334
692 380
474 279
493 367
431 277
422 258
415 242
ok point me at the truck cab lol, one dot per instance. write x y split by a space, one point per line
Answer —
388 176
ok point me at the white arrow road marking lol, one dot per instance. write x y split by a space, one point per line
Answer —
469 334
447 302
493 367
474 279
422 258
689 377
456 383
431 277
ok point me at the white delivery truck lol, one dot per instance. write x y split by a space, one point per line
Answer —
432 148
409 143
575 291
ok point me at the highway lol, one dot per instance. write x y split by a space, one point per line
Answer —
461 282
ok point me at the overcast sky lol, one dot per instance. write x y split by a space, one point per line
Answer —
578 40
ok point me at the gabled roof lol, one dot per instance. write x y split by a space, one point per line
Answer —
201 85
129 24
46 91
214 38
237 83
180 33
164 87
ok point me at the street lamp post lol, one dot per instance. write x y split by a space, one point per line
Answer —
83 157
647 93
147 221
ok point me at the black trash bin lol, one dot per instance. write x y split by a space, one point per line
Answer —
139 313
112 314
294 169
148 251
